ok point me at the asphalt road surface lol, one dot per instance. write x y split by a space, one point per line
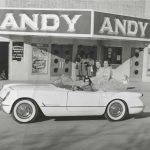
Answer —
77 133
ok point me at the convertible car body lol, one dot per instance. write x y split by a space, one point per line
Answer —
25 101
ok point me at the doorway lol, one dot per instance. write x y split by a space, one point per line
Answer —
88 50
136 66
4 46
61 60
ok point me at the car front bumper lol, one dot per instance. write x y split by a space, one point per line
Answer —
6 108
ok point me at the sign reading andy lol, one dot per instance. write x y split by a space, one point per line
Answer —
76 23
116 25
46 22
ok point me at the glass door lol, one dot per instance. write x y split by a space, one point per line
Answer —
67 59
61 60
56 60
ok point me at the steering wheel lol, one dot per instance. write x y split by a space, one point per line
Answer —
77 88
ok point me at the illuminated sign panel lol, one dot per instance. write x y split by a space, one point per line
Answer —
46 22
117 25
75 23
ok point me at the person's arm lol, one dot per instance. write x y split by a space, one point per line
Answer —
99 73
107 75
92 62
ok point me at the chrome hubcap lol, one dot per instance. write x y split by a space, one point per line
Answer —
116 109
24 110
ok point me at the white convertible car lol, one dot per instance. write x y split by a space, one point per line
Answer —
26 101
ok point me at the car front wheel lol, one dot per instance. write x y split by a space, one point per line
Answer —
25 111
116 110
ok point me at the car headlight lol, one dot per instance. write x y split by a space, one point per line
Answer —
6 95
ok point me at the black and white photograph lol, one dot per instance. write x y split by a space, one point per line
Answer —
74 74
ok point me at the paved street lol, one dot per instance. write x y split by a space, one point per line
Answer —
78 133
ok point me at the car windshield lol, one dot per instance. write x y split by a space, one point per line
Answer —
67 83
77 88
69 87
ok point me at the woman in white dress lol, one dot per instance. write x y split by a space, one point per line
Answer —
104 81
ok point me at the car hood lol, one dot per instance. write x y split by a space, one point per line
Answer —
24 86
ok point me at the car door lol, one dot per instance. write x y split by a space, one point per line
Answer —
53 100
83 102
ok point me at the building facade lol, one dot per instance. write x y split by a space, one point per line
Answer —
40 40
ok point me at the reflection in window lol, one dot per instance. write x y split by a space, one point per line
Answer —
67 52
113 55
66 70
55 70
55 61
136 72
136 54
56 52
136 63
67 61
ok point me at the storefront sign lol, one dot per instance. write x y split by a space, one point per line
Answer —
117 25
40 58
75 23
44 22
17 50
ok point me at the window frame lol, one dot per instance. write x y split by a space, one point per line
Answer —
112 60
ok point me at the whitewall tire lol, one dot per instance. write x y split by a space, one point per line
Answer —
116 110
25 111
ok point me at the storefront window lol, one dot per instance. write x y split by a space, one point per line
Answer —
113 55
55 70
148 63
55 61
136 72
136 63
40 58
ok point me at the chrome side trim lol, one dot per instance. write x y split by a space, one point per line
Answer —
4 105
72 106
137 106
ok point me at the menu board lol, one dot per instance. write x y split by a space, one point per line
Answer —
39 58
17 50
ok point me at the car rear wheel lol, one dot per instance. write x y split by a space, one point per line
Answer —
25 111
116 110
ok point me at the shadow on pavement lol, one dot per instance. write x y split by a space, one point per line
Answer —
80 118
70 118
41 118
141 115
77 118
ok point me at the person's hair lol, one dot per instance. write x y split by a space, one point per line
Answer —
87 78
77 56
97 61
107 62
